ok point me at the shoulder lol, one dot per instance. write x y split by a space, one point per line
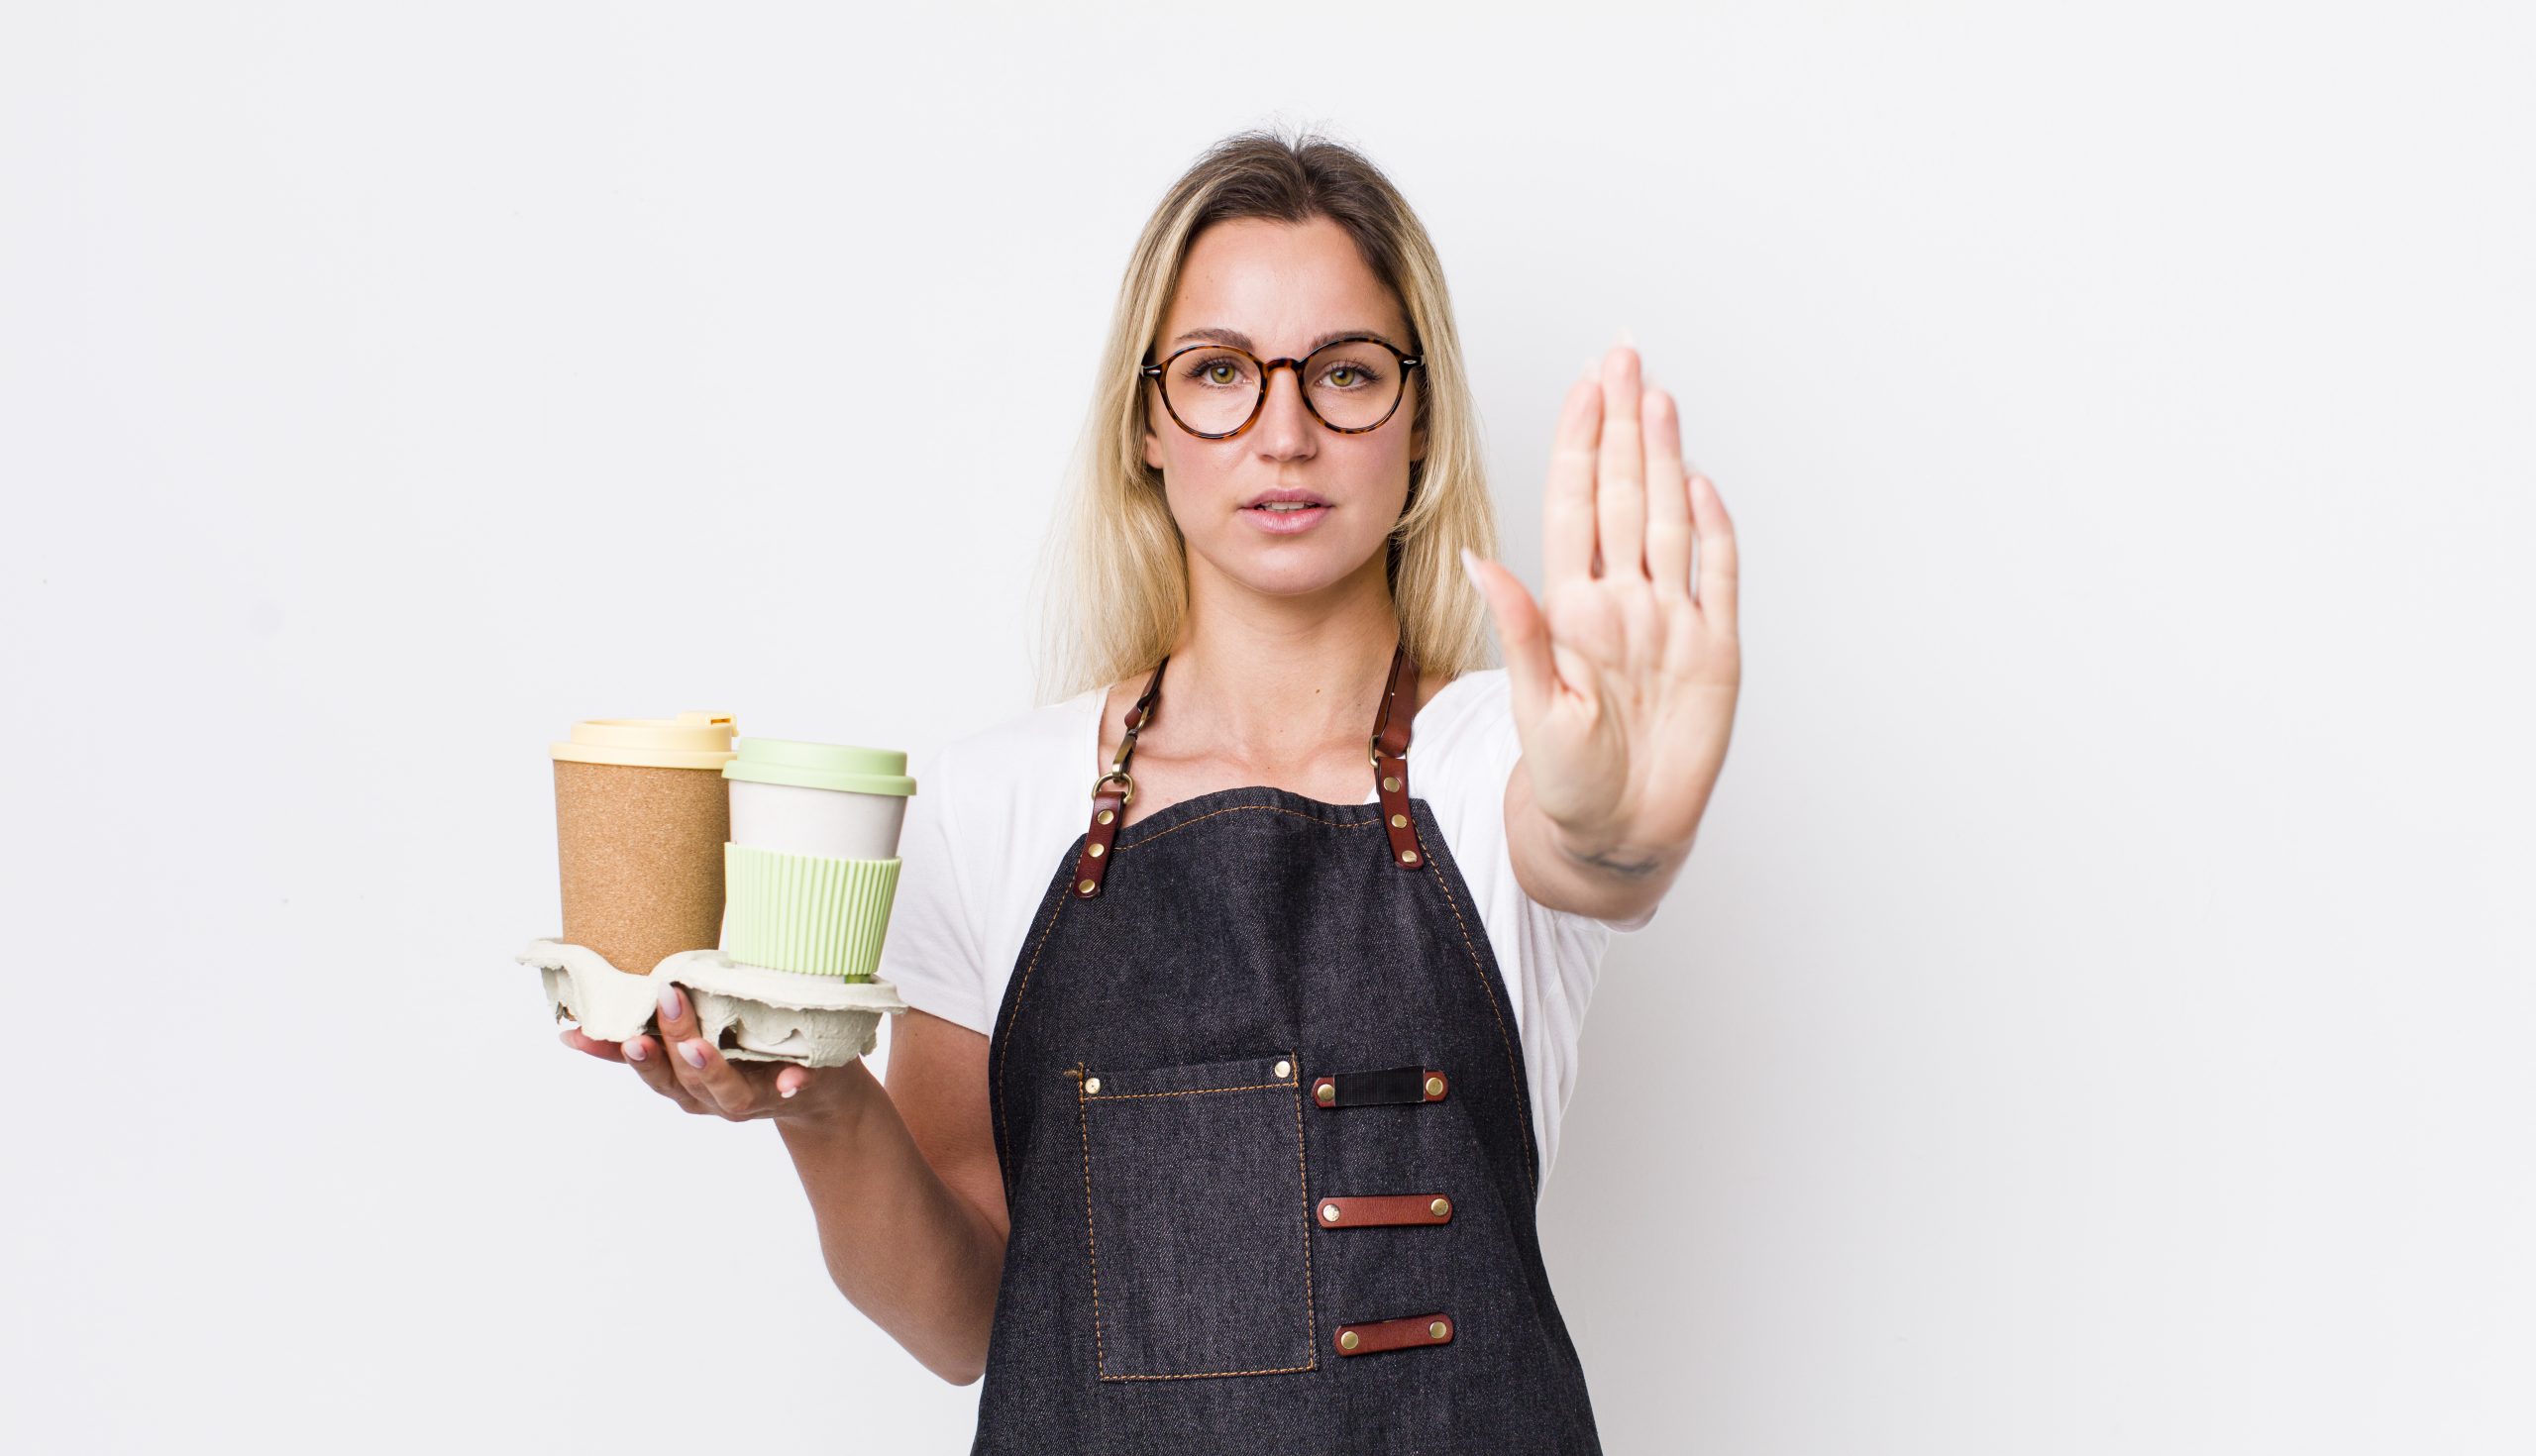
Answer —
1469 720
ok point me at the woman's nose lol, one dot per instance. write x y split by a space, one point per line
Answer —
1286 427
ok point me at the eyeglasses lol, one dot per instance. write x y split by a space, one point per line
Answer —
1215 391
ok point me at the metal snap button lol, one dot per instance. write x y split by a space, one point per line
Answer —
1330 1212
1325 1093
1441 1207
1436 1331
1435 1087
1347 1339
1107 815
1390 785
1084 886
1098 850
1409 857
1400 821
1092 1083
1285 1069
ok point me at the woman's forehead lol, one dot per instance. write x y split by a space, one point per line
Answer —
1282 285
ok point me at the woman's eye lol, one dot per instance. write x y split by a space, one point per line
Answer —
1346 369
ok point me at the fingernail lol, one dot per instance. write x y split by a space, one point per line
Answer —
669 1000
634 1049
790 1091
693 1052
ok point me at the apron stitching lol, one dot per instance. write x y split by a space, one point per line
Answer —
1523 1112
1124 845
1003 1121
1192 1091
1091 1241
1302 1178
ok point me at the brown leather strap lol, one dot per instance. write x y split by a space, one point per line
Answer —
1112 792
1372 1210
1390 750
1393 1334
1369 1088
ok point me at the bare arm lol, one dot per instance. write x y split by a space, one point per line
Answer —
908 1197
903 1181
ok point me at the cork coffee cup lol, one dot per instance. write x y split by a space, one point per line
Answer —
641 817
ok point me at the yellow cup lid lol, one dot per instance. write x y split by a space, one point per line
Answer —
687 741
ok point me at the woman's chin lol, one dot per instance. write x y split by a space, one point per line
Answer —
1291 569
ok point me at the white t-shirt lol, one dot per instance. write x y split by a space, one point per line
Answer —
993 811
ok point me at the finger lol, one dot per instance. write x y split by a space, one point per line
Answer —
1619 469
1715 586
680 1041
645 1056
1568 500
606 1051
1668 501
791 1081
1522 634
728 1090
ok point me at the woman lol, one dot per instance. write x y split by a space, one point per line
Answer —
1222 1110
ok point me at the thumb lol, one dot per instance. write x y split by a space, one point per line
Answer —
1522 634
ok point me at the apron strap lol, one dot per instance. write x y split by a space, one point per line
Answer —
1113 791
1390 750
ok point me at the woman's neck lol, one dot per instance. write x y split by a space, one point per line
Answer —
1275 678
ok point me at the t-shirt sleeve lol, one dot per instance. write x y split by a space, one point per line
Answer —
929 951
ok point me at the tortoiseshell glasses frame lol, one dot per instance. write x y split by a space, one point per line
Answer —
1407 361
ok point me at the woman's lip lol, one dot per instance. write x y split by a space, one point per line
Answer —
1284 523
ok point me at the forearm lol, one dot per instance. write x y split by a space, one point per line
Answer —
1604 878
919 1260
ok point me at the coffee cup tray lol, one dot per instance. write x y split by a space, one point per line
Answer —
750 1013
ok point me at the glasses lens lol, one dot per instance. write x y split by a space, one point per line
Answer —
1355 384
1211 391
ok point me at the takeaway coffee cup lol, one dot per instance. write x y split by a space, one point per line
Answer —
642 813
812 861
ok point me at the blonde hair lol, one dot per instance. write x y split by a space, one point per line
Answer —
1118 565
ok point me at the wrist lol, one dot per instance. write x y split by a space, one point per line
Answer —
831 1101
1611 855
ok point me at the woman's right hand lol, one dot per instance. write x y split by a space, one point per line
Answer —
738 1091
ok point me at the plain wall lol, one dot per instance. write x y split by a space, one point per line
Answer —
2095 1018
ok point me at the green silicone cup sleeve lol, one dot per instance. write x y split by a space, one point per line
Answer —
815 914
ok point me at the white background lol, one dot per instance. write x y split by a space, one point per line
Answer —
2096 1018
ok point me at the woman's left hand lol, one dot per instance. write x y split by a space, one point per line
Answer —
1622 678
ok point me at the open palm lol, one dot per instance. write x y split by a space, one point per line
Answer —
1624 675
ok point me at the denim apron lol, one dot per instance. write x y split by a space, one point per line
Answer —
1266 1142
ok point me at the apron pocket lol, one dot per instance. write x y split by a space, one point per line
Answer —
1198 1227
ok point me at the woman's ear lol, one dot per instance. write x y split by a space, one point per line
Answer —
1153 448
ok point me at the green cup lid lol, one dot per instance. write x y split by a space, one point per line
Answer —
836 765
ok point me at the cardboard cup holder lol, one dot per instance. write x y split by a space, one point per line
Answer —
751 1013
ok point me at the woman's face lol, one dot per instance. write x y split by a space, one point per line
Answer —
1275 288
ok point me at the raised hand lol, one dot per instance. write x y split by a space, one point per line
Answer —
1623 676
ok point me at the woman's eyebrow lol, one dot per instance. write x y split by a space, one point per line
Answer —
1239 340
